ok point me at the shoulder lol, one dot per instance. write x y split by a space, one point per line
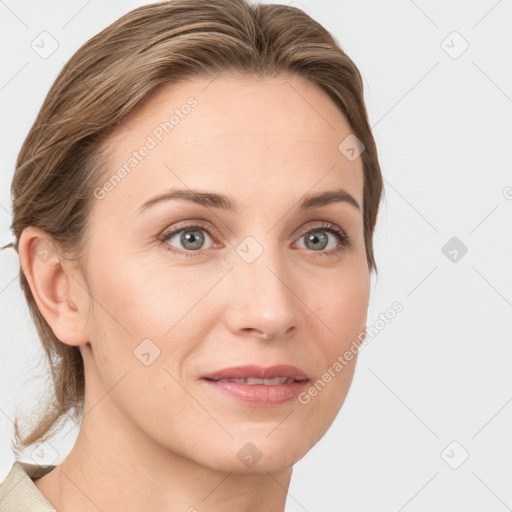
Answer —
18 493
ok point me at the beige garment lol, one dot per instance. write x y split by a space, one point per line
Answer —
18 493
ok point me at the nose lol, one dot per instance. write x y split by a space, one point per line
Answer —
261 300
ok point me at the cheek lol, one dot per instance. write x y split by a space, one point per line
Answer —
146 320
342 306
135 361
140 298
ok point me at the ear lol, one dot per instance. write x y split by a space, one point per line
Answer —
56 286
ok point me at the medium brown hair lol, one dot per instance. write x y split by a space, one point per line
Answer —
61 160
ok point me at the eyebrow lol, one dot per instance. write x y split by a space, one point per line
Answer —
220 201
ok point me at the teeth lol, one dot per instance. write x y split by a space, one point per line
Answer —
267 382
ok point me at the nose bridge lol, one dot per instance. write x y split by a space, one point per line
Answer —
262 294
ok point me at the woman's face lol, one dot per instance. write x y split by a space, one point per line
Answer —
265 283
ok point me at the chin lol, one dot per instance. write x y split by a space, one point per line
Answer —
258 453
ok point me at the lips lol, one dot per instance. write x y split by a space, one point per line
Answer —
273 375
257 386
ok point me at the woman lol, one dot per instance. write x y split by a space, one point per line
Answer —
194 210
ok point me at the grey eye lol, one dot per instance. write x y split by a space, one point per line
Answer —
317 240
190 239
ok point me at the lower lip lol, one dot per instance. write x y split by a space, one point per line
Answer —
259 395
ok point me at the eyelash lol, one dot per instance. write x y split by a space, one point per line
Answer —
326 226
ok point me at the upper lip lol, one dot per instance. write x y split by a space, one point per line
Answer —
260 372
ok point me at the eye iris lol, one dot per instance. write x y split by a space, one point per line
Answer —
314 237
195 237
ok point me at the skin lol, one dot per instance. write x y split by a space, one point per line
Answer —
157 435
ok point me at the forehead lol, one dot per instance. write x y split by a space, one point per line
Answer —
257 137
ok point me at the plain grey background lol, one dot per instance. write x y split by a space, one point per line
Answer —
426 424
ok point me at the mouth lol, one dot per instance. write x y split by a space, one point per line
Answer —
251 374
258 386
254 380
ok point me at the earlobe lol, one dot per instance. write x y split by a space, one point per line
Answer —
51 282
